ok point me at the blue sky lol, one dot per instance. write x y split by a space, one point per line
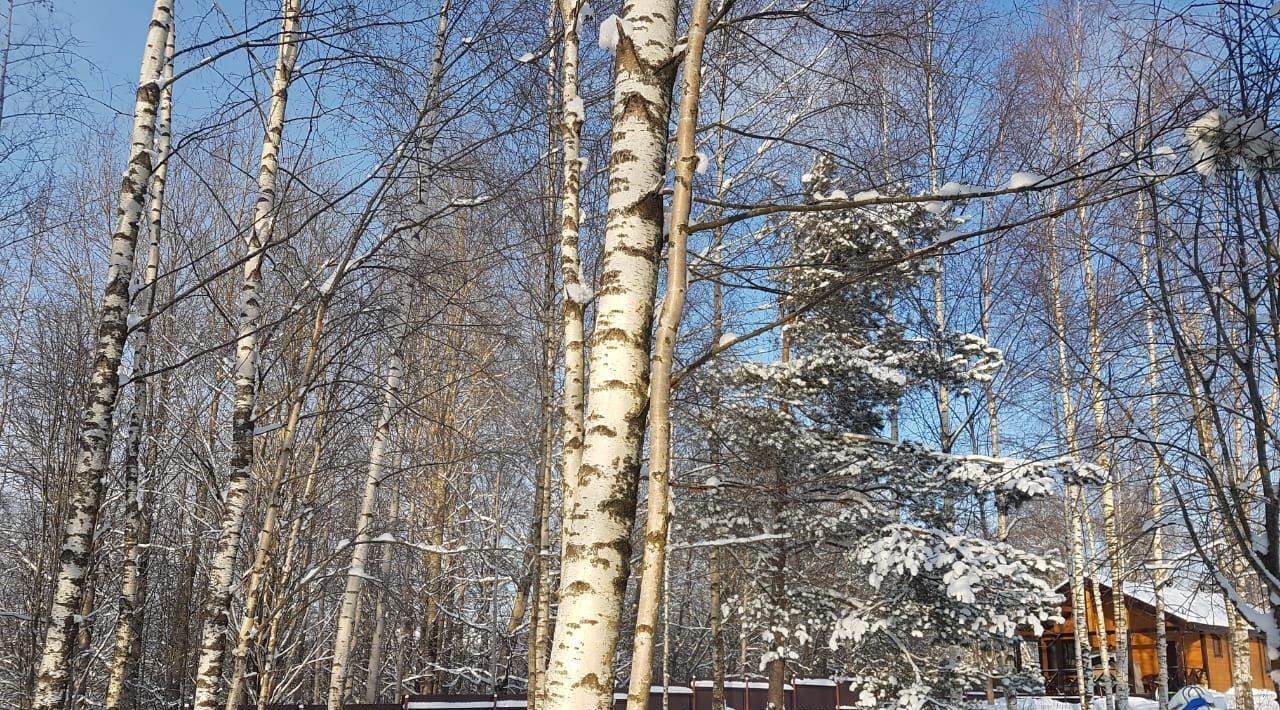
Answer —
110 34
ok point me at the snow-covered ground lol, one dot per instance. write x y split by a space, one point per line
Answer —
1262 700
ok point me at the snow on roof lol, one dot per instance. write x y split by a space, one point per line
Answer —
1197 607
1203 608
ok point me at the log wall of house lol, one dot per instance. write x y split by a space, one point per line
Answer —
1203 652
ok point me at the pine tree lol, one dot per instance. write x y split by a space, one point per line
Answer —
863 523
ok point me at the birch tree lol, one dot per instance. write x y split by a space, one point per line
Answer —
658 518
132 577
97 424
392 385
248 320
576 292
600 498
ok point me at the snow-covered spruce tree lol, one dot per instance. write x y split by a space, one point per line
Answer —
872 584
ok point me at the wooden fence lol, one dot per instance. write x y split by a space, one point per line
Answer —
802 694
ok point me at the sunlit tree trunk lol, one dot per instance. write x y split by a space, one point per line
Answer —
945 436
537 561
987 287
1238 637
1092 568
1075 495
373 678
96 426
267 675
391 394
249 316
576 292
131 583
601 495
1160 575
527 590
540 579
187 601
658 515
1119 683
269 531
1237 626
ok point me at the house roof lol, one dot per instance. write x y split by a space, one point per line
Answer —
1191 607
1204 608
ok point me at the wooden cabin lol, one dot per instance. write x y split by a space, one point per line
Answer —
1199 651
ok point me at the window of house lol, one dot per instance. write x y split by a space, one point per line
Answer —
1059 655
1217 647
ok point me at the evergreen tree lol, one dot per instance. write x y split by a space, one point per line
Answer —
862 572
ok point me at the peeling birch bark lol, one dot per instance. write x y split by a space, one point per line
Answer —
575 290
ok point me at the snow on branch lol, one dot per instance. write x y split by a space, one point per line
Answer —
613 29
1220 141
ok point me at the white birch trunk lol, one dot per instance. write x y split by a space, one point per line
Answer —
539 579
96 425
1238 637
1159 574
602 494
249 316
1119 683
372 678
946 438
1099 606
1075 495
1010 654
658 515
271 519
1079 602
124 659
364 521
575 290
267 673
532 594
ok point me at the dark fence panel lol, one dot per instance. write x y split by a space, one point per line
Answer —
466 702
317 706
679 698
802 694
739 696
